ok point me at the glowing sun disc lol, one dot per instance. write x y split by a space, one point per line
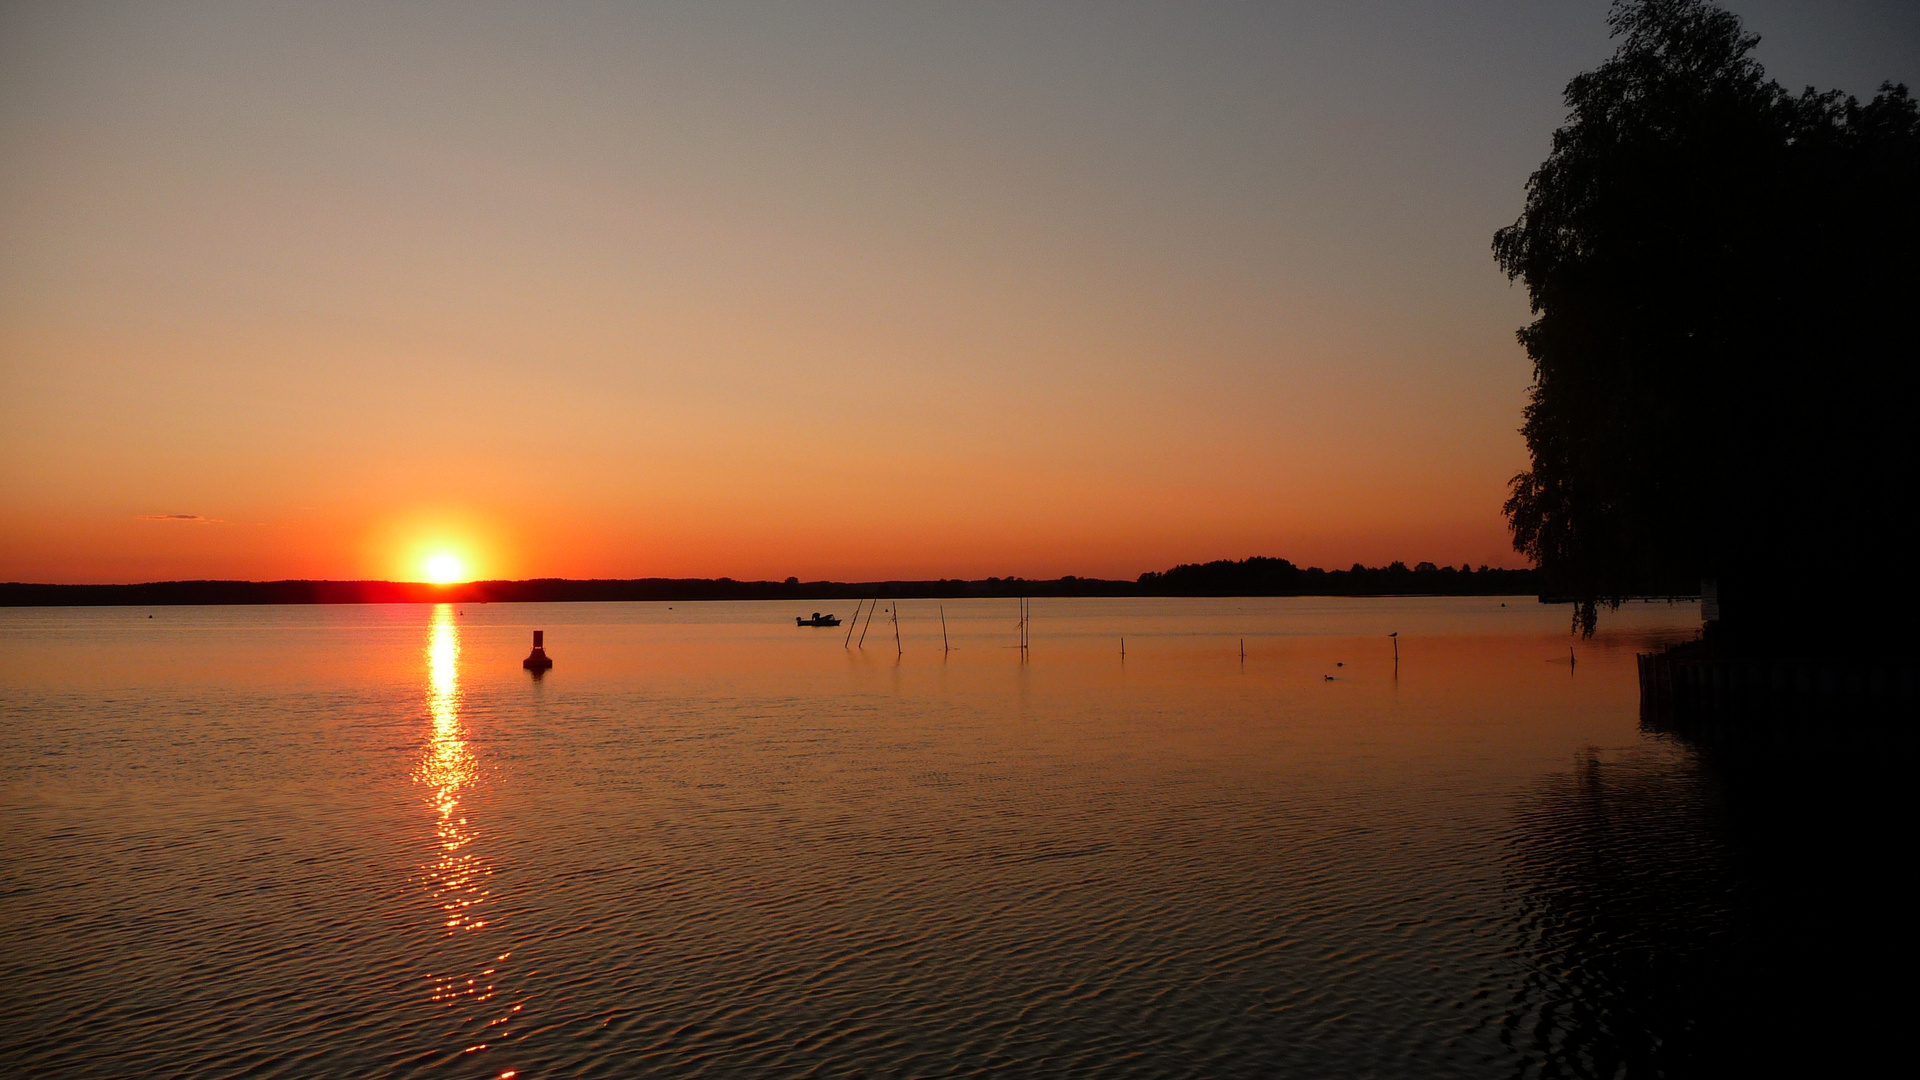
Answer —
445 569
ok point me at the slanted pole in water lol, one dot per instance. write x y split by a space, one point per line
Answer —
855 621
897 650
944 647
863 630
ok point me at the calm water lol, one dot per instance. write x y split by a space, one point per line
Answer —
362 841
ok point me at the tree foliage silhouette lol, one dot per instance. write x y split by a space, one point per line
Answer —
1723 278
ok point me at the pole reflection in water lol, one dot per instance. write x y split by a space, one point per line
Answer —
458 874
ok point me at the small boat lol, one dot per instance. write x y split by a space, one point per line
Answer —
817 620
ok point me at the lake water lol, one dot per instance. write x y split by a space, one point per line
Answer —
363 841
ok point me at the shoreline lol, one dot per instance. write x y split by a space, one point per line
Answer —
1360 583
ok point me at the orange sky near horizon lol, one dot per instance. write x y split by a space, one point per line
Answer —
834 291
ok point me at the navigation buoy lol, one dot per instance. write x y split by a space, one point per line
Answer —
537 660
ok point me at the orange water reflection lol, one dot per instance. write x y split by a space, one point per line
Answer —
458 874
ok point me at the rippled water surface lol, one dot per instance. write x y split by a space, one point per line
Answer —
363 841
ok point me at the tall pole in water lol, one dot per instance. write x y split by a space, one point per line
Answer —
852 624
898 651
944 647
863 630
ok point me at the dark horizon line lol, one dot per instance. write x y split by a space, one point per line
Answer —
1250 577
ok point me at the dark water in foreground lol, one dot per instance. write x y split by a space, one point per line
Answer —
364 842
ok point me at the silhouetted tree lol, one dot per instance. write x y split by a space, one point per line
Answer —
1724 279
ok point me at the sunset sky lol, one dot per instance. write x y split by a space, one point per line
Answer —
830 290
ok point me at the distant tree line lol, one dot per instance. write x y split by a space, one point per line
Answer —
1247 577
1260 576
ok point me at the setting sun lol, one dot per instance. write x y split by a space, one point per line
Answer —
445 569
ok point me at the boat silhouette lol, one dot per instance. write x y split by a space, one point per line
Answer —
817 620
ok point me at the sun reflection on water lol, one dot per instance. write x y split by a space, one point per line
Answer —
457 875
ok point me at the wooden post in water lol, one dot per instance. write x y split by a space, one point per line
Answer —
1396 647
944 647
1123 650
871 604
897 650
1243 650
855 622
